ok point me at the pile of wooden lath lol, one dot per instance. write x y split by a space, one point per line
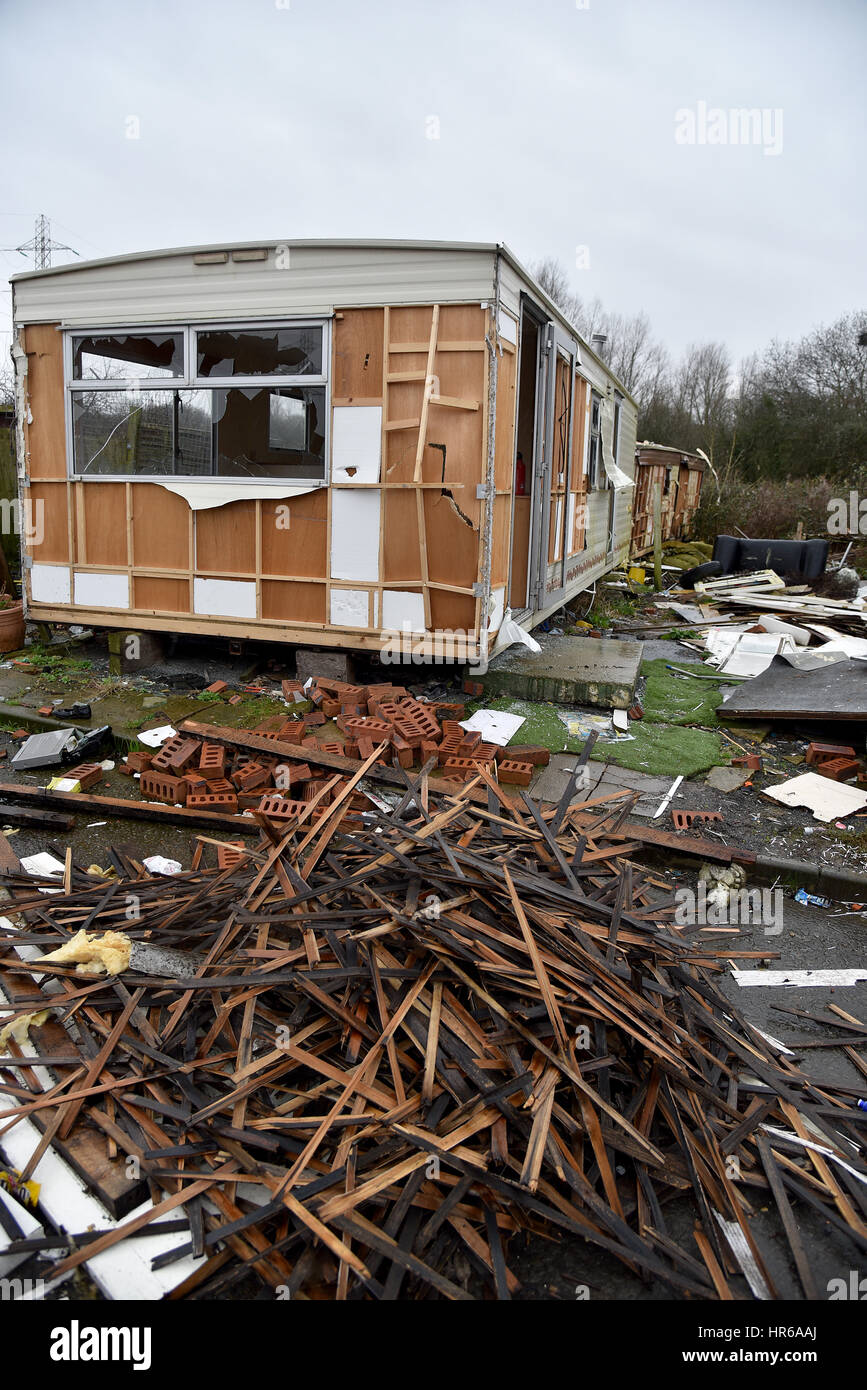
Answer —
464 1019
213 777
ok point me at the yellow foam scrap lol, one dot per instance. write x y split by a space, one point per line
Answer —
64 784
94 955
19 1028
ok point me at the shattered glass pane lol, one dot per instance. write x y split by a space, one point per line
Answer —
128 357
285 352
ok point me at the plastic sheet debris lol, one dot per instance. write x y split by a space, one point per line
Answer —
157 864
510 633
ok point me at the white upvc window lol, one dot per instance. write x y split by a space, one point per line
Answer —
227 400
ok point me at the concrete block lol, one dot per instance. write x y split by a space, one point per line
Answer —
134 651
568 671
319 661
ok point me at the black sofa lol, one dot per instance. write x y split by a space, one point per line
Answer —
736 555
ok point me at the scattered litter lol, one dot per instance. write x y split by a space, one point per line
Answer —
495 726
64 784
42 865
811 899
158 865
155 738
581 726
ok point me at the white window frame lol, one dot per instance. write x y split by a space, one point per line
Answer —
190 381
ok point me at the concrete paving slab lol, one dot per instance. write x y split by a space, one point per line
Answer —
728 779
652 789
602 779
568 671
553 780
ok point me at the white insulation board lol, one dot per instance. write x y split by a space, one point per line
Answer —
355 534
356 443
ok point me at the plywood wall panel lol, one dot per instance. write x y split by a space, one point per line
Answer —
160 528
45 431
454 612
226 538
161 595
301 603
462 323
295 535
104 507
357 355
500 540
504 435
47 524
400 553
452 545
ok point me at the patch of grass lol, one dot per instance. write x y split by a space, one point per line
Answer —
665 750
662 750
673 699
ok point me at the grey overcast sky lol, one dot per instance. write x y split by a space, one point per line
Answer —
551 125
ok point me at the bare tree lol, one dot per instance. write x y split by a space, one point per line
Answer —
551 275
7 379
634 355
703 388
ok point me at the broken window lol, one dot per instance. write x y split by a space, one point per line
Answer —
280 352
193 403
127 356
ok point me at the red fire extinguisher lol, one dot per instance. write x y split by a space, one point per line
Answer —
520 477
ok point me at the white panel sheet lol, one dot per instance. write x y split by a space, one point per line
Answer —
356 446
101 590
399 608
224 598
349 607
50 584
355 534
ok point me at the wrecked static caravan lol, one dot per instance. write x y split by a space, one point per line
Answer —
313 442
681 474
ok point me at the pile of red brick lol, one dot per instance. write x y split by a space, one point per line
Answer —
213 777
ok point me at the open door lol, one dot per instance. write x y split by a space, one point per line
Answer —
543 462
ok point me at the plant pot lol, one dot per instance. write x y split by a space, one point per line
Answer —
12 627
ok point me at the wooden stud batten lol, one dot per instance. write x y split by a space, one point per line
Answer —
428 391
